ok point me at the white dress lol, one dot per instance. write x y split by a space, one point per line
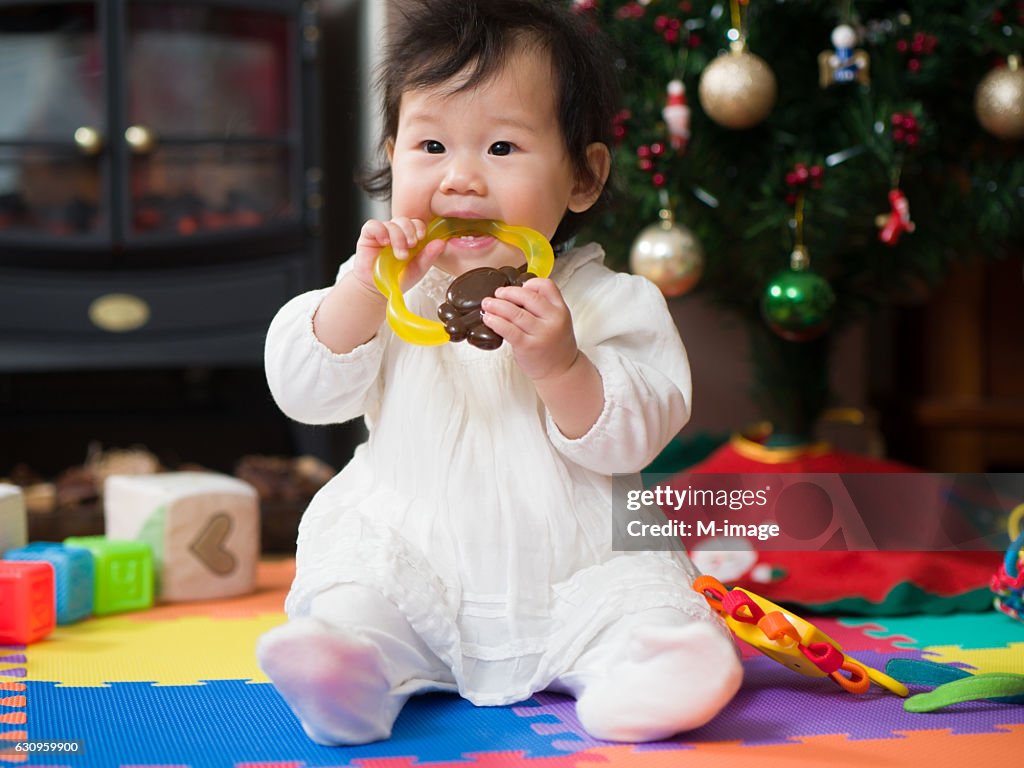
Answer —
467 507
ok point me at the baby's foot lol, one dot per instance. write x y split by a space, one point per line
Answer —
332 679
670 679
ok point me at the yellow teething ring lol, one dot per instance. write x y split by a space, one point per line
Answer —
387 273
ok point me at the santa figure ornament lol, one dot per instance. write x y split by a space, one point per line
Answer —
897 221
677 115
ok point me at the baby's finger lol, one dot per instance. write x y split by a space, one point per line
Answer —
533 302
431 251
373 234
422 263
410 230
511 312
508 331
547 288
402 235
426 257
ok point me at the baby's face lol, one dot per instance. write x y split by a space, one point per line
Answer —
491 152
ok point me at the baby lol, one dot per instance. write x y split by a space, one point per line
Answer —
467 545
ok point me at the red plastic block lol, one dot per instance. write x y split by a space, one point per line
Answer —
28 608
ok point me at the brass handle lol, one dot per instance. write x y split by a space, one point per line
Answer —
89 140
119 312
141 139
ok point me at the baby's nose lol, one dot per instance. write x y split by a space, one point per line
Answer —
463 177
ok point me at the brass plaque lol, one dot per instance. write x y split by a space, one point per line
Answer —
119 312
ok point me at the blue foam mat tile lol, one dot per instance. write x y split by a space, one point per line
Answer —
225 722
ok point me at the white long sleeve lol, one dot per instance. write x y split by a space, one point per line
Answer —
309 382
623 325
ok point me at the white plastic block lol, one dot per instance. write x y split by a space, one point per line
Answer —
13 521
204 529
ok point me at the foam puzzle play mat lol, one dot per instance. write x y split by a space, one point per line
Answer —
178 685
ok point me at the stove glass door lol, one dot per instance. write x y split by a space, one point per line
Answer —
53 124
209 134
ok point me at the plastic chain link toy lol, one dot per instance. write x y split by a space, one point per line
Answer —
790 640
1008 582
387 273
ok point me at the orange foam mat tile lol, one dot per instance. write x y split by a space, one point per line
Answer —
917 749
273 578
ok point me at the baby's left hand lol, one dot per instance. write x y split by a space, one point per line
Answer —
535 321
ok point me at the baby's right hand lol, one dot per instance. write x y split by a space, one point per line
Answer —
402 234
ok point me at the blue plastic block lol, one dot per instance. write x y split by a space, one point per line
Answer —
74 570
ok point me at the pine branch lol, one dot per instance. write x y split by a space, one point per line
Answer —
965 187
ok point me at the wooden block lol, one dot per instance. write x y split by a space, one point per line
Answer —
203 527
13 520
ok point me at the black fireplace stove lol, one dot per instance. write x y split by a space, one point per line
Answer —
159 179
161 197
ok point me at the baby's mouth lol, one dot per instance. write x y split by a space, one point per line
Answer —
473 241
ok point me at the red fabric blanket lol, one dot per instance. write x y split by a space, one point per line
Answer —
870 582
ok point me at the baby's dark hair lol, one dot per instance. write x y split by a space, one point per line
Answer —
435 40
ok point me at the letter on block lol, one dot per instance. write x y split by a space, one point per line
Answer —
124 573
74 574
27 607
204 529
13 522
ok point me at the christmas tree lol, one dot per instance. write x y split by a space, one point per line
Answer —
803 162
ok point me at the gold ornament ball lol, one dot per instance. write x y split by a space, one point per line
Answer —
668 255
999 101
737 90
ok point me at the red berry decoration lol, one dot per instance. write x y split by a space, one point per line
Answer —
905 129
630 11
800 178
619 125
646 156
919 45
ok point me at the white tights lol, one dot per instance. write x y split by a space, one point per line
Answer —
348 668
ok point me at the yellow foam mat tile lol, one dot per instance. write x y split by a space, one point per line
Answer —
126 649
1009 658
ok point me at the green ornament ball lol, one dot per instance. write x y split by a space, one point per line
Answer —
798 304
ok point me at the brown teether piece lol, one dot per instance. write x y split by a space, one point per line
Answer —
461 312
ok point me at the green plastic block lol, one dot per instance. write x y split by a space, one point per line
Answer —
124 573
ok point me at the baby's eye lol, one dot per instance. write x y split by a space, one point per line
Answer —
501 148
432 147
